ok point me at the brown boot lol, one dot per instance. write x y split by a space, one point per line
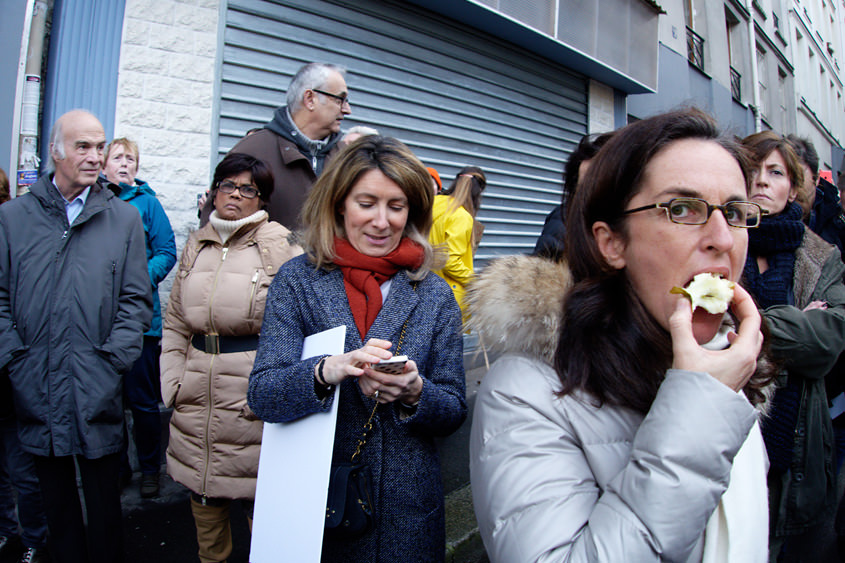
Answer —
214 534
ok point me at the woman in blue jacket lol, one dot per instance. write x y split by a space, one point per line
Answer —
367 267
143 388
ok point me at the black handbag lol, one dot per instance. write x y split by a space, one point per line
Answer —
349 509
350 512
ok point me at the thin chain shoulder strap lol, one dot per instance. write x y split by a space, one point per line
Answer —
369 425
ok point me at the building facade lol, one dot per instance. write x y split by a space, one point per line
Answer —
755 64
816 41
508 86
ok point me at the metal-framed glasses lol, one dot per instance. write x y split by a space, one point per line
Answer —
339 99
695 211
247 190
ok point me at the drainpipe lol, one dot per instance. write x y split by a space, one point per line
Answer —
28 143
755 85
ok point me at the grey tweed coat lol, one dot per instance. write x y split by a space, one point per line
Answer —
401 452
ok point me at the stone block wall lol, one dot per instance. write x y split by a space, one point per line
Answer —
164 101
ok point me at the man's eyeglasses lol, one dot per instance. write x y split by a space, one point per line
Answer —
339 99
694 211
248 191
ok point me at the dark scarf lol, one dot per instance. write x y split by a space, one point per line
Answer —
779 426
316 151
363 276
776 239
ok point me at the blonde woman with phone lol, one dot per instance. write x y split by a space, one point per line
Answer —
367 266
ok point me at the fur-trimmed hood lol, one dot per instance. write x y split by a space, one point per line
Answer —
516 303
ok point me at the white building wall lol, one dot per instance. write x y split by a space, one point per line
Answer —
708 22
672 28
165 99
600 100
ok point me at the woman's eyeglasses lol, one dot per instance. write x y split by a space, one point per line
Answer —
248 191
695 211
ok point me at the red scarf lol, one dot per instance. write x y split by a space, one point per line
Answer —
363 276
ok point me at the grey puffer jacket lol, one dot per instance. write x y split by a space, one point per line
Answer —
561 479
75 301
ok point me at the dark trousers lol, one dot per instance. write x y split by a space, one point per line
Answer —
17 469
142 390
69 542
839 525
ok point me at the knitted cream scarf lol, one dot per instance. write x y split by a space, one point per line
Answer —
227 228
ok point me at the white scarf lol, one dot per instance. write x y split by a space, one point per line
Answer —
226 228
738 530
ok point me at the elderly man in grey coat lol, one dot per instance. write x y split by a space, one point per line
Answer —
74 303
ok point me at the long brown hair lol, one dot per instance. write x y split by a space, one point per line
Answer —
4 187
465 191
610 345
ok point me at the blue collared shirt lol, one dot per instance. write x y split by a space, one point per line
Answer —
74 208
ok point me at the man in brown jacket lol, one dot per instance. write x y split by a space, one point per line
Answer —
299 139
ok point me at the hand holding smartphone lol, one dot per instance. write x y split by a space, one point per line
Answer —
394 365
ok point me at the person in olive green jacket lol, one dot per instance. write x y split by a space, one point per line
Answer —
797 279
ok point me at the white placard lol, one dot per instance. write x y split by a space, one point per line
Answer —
293 476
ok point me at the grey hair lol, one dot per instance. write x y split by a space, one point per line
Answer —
362 130
312 75
56 145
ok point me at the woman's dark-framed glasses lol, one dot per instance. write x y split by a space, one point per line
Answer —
248 191
339 99
695 211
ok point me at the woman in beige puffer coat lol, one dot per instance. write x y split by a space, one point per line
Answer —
210 337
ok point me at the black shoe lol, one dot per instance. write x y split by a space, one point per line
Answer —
34 555
149 485
10 549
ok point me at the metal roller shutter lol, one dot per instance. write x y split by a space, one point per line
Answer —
455 96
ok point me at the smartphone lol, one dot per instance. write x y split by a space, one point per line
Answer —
394 365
